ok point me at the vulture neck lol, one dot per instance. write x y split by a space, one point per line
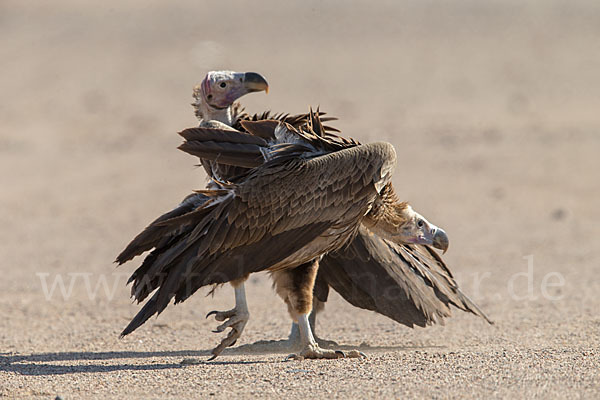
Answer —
386 214
205 112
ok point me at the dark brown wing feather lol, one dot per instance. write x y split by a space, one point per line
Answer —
409 284
231 162
250 227
156 231
219 146
297 120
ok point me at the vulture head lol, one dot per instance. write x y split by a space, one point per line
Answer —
220 89
415 229
399 223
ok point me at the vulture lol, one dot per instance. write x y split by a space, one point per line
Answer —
305 194
407 283
215 105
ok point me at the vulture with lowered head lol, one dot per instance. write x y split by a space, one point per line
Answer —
305 195
408 283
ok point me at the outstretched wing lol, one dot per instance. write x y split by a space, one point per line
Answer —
276 210
409 284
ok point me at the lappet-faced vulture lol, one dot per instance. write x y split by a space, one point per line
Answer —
215 104
408 283
216 107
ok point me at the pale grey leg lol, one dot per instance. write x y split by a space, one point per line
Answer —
237 318
310 348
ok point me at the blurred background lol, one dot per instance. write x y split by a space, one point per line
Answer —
493 108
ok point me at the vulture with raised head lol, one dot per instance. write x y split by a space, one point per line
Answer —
215 105
305 195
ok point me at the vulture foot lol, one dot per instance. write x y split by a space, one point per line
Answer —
237 318
236 321
313 351
296 343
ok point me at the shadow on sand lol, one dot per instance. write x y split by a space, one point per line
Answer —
42 364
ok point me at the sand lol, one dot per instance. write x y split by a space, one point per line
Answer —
493 110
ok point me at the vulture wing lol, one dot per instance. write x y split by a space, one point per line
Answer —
409 284
276 210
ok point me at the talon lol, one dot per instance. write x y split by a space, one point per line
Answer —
235 320
213 357
340 352
356 354
211 313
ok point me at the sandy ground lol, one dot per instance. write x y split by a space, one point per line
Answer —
494 112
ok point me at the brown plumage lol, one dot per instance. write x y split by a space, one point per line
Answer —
408 283
214 109
221 235
223 169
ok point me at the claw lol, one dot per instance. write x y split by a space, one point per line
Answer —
293 356
222 315
236 320
356 354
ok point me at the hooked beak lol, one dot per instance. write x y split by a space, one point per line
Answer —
254 82
440 240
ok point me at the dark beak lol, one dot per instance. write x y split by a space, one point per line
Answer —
440 240
255 82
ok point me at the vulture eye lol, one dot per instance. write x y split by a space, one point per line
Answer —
420 223
223 84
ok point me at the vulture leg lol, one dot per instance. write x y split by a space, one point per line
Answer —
237 318
296 288
294 337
